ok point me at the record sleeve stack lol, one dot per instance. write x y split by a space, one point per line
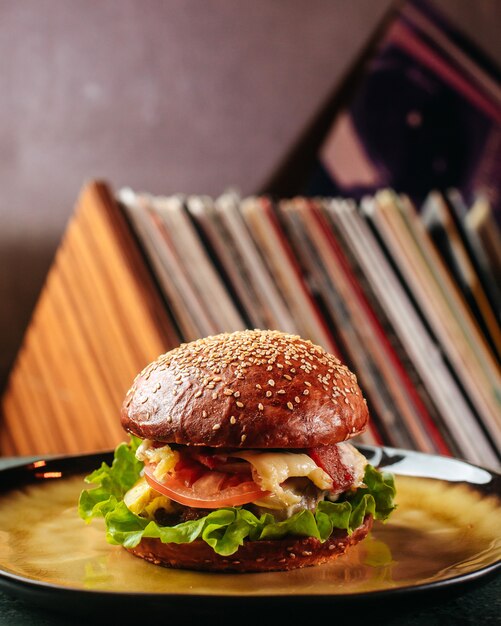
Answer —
409 299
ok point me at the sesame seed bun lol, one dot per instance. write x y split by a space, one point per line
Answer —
248 389
253 556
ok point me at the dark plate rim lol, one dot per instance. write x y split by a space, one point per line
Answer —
24 473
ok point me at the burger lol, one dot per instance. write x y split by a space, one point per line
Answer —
239 460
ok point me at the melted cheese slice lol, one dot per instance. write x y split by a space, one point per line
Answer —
271 469
165 457
143 500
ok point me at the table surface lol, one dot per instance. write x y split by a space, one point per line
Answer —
475 604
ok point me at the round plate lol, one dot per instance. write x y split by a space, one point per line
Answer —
445 532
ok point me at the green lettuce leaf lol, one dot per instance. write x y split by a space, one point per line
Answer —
113 482
225 529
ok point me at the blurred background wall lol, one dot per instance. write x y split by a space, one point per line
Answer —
164 96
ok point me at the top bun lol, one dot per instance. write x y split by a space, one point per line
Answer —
248 389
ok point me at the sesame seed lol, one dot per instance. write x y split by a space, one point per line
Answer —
297 399
198 393
260 407
228 392
290 405
224 357
305 392
306 553
240 405
216 427
332 546
243 438
281 391
204 413
232 419
269 394
236 394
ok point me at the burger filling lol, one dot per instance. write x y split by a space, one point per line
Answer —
277 482
227 496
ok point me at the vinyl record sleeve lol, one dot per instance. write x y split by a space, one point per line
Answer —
444 230
269 237
487 372
366 343
352 350
183 302
225 254
197 263
274 308
415 386
434 303
481 224
478 257
426 355
407 403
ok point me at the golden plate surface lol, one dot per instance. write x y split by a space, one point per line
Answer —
444 529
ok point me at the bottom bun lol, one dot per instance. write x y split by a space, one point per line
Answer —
252 556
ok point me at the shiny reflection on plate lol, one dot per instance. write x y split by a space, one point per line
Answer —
446 528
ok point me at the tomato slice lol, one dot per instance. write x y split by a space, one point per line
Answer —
188 471
211 490
330 460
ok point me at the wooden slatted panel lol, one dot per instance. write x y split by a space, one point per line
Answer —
98 321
